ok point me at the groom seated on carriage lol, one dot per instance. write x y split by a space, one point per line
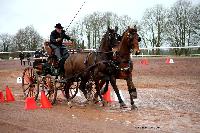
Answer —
117 36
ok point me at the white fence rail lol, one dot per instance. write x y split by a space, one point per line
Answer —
141 55
186 47
149 48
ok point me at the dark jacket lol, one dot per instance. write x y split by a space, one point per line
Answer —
21 56
118 37
28 55
55 35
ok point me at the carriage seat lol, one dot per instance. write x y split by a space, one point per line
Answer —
48 48
50 52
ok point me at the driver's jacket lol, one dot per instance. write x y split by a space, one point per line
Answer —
55 35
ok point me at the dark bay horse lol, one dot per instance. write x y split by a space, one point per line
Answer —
83 64
123 65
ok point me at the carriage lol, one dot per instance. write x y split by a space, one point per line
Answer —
86 71
45 75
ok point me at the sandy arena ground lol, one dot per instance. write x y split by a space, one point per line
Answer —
168 101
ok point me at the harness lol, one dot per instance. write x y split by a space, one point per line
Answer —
115 65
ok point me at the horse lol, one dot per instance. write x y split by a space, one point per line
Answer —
81 65
123 65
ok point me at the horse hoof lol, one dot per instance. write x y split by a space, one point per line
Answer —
69 104
88 102
104 103
133 107
95 100
123 105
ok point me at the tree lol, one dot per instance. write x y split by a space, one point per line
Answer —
110 19
27 39
125 21
88 30
76 32
178 27
6 42
194 20
19 40
94 26
152 27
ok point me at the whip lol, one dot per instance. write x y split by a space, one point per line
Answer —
75 15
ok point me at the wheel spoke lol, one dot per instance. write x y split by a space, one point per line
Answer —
30 82
27 88
49 88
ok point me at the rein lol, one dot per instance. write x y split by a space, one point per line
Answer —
96 54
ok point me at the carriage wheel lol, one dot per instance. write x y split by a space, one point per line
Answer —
71 89
48 85
30 83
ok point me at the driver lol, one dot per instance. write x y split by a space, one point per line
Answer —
56 42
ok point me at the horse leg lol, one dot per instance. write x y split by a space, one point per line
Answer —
113 83
82 88
98 85
98 92
132 92
66 89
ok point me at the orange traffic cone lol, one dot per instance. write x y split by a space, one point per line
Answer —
44 101
144 62
167 60
107 96
30 103
1 97
9 95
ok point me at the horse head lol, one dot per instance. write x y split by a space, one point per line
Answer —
108 40
132 39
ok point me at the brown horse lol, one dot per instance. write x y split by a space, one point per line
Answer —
123 65
81 65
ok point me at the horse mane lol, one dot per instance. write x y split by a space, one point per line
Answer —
101 43
118 47
130 30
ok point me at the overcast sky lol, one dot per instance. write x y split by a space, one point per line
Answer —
44 14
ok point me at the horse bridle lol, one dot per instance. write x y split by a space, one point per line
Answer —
111 39
130 36
130 39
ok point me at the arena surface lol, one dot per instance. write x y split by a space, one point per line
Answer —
168 101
